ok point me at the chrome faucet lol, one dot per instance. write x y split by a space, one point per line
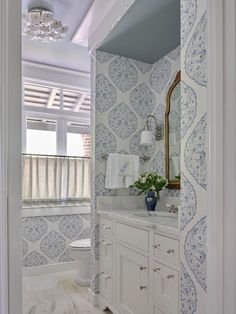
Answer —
172 208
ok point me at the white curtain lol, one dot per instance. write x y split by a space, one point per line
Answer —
55 178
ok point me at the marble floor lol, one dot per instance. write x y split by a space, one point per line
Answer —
56 293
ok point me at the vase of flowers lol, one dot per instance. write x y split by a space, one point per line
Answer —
151 184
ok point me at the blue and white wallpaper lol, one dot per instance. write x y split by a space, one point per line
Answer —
46 239
193 157
124 93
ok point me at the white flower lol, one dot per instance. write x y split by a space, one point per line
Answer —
143 180
153 188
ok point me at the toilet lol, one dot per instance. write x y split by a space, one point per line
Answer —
80 251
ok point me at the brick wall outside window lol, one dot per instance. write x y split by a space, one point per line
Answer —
87 144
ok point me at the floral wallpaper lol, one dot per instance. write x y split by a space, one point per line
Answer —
46 239
193 157
124 93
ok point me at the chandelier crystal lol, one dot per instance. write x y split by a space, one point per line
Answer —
39 24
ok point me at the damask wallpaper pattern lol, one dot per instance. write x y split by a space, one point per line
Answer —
124 93
46 239
194 157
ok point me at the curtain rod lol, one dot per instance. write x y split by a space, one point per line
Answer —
55 156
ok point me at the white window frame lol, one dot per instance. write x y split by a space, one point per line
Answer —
61 117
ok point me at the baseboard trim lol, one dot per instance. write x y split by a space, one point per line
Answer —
50 268
104 304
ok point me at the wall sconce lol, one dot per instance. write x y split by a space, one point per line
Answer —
147 135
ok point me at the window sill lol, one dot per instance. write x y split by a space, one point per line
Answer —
52 210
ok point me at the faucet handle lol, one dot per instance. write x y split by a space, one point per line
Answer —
172 208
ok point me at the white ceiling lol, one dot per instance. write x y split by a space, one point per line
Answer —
62 54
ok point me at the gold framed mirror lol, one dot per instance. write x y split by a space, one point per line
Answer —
173 134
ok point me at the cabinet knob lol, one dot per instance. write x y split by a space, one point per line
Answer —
106 277
105 227
142 267
105 243
156 269
170 251
156 246
143 287
170 276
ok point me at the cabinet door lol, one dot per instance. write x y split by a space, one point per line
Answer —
166 284
131 281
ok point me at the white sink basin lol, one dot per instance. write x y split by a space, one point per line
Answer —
156 214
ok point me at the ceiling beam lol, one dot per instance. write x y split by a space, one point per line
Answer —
56 113
101 18
51 98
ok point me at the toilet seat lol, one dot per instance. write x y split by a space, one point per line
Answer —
83 244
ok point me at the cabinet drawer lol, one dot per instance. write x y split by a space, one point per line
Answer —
135 237
166 249
166 288
105 227
105 285
106 249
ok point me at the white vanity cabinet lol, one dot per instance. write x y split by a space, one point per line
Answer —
139 269
106 259
131 281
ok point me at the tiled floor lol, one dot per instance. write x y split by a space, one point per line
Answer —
56 293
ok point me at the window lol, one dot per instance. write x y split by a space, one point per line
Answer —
41 137
56 141
78 140
57 120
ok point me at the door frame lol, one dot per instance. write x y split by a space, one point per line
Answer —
10 157
222 156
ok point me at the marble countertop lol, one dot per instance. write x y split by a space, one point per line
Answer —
158 223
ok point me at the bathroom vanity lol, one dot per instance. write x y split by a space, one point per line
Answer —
139 262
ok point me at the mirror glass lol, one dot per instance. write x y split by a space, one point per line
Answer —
173 134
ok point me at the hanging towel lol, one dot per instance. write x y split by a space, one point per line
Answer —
122 170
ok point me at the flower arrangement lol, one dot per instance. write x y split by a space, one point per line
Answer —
150 182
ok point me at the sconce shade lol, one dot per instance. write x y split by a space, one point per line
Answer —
146 138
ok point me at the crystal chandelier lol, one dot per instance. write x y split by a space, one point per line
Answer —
39 24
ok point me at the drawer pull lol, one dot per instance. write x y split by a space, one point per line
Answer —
142 267
106 277
143 287
105 227
170 251
105 243
158 246
158 270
